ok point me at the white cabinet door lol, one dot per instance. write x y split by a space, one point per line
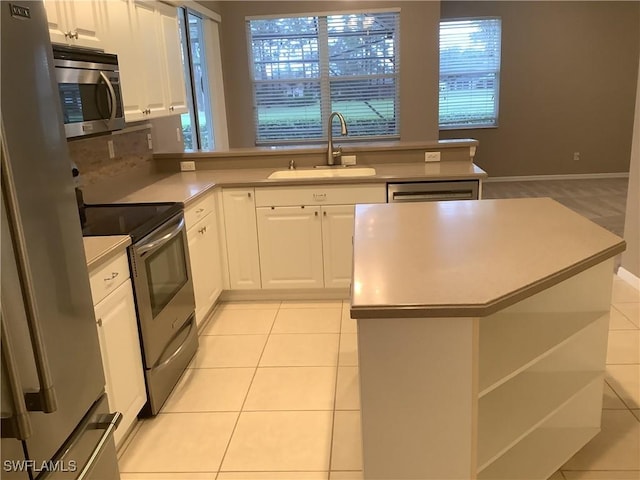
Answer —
337 244
121 38
151 57
174 69
77 23
57 20
121 358
242 238
146 38
290 240
204 253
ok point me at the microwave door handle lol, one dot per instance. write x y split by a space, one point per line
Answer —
18 425
112 96
45 399
147 247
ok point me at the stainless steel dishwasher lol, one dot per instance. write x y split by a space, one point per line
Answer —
432 191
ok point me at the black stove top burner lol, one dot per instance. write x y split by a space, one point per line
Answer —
134 219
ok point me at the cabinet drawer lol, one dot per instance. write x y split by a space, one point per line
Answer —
108 276
320 195
196 212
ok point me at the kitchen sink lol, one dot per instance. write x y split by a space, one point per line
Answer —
323 173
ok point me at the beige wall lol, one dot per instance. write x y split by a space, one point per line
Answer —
211 5
419 61
568 84
631 257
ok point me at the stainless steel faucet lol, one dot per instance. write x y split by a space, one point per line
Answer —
332 153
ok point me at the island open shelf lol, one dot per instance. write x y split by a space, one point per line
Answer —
482 336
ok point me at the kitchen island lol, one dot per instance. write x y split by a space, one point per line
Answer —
482 336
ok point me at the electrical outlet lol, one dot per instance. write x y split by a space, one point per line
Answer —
431 156
187 166
348 159
149 142
112 152
576 156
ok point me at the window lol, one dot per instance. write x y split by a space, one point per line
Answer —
303 68
197 123
469 73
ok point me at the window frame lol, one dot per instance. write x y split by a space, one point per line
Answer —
324 78
496 72
216 108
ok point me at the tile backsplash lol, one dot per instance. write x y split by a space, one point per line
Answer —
132 156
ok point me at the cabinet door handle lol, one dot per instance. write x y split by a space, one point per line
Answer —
199 211
113 275
171 108
324 214
99 322
249 194
316 213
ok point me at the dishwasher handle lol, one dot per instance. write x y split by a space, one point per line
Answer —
432 191
431 196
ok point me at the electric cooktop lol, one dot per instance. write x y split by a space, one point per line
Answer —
134 219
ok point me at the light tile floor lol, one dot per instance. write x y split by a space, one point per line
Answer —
273 394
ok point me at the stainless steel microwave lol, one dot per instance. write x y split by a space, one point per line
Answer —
89 90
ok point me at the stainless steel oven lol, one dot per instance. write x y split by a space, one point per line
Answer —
89 90
164 296
162 286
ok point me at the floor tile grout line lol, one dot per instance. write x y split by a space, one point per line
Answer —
255 372
619 397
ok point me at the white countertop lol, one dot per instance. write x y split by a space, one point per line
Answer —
187 186
467 258
97 249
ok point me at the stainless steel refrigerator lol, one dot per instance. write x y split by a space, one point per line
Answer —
56 422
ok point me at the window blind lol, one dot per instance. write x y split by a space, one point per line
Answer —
469 72
304 68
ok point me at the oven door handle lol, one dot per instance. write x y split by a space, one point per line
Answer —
112 96
144 248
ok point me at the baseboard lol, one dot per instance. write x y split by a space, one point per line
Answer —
629 277
284 294
568 176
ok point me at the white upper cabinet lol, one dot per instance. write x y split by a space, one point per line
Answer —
150 63
146 38
76 23
121 39
170 37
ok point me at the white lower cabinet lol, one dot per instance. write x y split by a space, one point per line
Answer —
337 244
290 242
204 255
305 233
119 344
242 238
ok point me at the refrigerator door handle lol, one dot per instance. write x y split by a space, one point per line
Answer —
18 425
45 399
109 424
